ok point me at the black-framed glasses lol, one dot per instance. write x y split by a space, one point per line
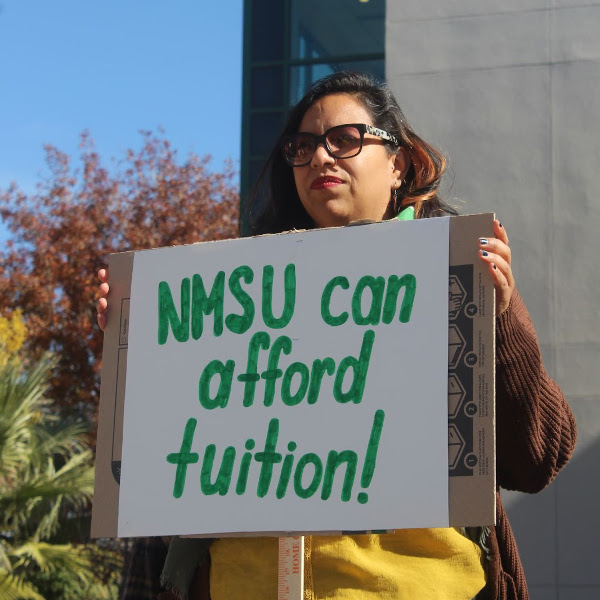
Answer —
341 141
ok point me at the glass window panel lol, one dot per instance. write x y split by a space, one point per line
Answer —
266 88
264 131
255 169
267 29
321 29
301 77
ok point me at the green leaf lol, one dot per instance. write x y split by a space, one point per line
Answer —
14 587
46 482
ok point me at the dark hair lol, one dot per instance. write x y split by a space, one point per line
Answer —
280 209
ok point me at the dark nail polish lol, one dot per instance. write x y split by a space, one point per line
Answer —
483 241
484 253
493 265
499 224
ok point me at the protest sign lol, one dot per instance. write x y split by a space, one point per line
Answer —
295 382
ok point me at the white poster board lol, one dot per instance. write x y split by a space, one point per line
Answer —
300 417
300 401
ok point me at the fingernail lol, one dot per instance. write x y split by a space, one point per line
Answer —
499 224
483 241
484 253
493 265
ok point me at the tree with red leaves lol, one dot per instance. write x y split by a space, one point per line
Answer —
63 234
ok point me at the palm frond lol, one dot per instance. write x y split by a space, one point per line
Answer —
14 587
22 406
46 480
49 523
54 557
5 564
63 440
72 485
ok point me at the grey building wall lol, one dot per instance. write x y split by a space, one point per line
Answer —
510 90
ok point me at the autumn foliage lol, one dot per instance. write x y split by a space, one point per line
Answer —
63 234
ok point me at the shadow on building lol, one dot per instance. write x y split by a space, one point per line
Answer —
558 530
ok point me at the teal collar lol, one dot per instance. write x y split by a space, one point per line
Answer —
406 214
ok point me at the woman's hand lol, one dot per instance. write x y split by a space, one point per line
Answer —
496 253
102 304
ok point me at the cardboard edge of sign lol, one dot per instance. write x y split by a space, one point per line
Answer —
472 498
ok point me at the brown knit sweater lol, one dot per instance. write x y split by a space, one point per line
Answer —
536 435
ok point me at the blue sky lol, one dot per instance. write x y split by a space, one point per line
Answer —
115 67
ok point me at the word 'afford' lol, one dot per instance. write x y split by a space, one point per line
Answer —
298 381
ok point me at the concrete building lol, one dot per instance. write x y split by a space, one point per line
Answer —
510 91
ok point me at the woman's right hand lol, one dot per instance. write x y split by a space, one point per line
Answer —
102 304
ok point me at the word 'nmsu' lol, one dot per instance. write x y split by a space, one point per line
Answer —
378 296
305 475
197 303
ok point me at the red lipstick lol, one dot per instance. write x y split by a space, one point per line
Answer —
321 183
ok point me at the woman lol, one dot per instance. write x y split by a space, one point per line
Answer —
347 154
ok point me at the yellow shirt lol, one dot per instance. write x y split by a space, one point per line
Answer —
428 564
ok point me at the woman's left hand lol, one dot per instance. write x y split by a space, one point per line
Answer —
496 253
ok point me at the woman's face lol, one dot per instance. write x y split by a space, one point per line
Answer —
336 191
